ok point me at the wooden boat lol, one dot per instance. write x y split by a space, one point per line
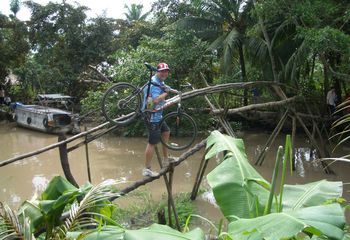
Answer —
45 118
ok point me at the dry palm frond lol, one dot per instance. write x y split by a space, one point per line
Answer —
80 214
10 226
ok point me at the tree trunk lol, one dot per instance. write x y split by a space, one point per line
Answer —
269 47
244 74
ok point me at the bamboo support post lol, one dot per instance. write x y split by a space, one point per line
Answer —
294 128
64 161
314 143
271 139
171 174
322 152
221 119
319 134
168 187
199 177
87 156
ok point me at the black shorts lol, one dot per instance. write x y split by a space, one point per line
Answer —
155 131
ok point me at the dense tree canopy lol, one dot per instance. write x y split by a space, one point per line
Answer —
302 43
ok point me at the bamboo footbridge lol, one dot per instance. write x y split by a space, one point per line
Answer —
284 103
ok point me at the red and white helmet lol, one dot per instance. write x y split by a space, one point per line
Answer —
162 66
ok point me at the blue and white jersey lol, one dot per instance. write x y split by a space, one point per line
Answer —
154 92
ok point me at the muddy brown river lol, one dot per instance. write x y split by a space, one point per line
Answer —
122 158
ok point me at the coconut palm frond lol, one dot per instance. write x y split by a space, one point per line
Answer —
204 28
227 58
233 39
342 120
341 126
10 227
297 58
222 10
218 43
80 213
278 30
231 42
257 49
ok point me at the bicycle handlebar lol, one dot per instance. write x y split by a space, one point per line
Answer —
187 85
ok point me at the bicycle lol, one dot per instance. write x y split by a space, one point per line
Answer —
121 104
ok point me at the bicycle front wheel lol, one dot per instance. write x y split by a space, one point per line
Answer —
121 103
183 131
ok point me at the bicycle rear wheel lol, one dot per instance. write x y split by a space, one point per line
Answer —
121 103
183 131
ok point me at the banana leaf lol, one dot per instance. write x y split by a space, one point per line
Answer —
56 187
311 194
234 192
154 232
160 232
32 211
321 221
105 233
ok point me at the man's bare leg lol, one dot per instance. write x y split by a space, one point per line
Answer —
166 136
149 155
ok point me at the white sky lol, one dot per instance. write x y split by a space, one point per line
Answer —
112 8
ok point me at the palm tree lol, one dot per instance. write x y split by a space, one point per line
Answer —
14 6
134 13
224 23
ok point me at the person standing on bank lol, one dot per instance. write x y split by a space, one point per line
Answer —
331 100
156 98
2 95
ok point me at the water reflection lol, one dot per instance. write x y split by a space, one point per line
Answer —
39 184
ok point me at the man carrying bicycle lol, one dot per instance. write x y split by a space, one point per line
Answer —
155 98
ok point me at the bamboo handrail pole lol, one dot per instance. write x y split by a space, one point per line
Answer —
259 105
52 146
92 138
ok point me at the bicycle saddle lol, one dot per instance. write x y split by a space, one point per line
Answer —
150 67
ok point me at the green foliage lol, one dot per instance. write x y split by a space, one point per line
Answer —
326 40
181 52
142 211
93 98
13 44
183 205
65 42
